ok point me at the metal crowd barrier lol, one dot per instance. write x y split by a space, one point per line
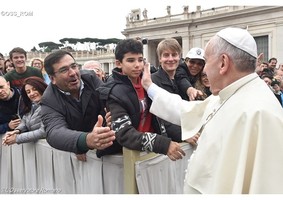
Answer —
37 168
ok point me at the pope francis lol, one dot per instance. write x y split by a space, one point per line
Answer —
240 148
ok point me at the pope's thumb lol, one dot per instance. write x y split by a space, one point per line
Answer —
147 68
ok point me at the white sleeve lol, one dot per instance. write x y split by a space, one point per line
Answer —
165 105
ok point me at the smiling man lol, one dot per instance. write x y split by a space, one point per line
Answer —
71 107
16 77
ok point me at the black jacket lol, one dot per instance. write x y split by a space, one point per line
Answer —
66 120
162 79
125 107
10 110
184 80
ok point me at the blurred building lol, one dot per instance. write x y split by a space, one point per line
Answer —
194 29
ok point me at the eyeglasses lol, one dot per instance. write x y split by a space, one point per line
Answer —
66 69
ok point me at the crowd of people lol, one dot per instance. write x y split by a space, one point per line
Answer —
76 109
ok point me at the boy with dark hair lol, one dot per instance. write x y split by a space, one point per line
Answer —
129 106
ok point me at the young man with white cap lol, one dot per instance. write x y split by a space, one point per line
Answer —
189 72
241 142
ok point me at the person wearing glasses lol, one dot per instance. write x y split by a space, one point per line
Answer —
38 63
96 67
72 112
189 72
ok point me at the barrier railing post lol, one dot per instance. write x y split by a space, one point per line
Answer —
130 158
130 184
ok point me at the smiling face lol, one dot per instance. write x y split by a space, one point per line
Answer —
9 66
38 64
67 75
169 60
195 66
19 61
33 93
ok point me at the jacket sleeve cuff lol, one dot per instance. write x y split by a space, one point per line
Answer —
81 144
161 144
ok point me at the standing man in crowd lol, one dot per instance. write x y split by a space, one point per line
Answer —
10 109
71 108
169 53
96 67
241 142
16 77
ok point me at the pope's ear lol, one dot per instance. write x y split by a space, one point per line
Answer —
225 63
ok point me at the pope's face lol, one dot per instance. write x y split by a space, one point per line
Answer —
212 69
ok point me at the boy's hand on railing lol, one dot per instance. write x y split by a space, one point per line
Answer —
100 137
175 152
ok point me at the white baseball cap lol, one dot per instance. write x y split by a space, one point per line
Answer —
239 38
195 53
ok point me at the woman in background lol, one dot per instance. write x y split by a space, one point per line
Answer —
8 66
38 63
31 128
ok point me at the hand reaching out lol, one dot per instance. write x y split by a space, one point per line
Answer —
175 152
100 137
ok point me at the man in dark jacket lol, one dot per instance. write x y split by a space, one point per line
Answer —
10 109
71 108
168 52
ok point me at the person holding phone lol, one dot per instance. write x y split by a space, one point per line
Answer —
10 106
31 127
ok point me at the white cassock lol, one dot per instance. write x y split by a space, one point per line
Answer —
240 149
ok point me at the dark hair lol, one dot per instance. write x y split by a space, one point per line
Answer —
1 55
17 50
5 67
269 61
268 71
266 76
38 84
53 58
128 46
274 82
